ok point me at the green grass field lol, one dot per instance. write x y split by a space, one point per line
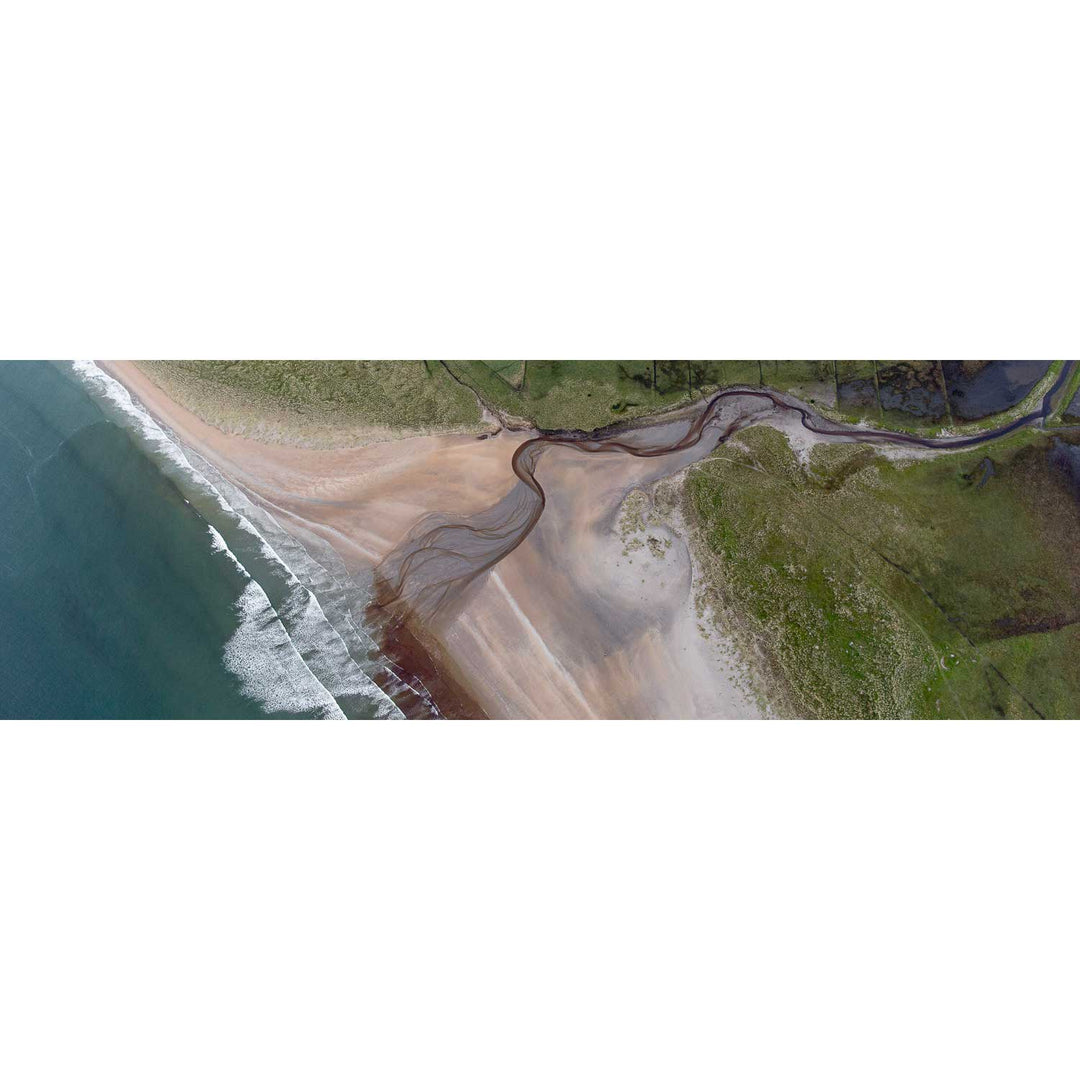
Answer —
944 588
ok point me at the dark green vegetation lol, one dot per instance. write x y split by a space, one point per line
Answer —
947 587
268 398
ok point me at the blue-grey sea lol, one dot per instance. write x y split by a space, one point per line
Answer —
136 583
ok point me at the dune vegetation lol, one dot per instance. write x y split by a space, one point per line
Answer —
321 402
870 587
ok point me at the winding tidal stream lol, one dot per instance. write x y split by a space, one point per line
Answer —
427 575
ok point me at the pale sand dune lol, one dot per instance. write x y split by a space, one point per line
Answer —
566 626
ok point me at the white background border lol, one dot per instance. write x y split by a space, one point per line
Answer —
538 900
560 180
569 179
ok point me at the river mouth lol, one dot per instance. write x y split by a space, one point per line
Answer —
427 576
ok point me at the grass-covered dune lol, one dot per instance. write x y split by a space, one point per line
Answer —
865 587
322 402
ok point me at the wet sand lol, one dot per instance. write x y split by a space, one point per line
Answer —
568 625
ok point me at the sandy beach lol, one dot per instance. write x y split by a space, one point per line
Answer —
579 621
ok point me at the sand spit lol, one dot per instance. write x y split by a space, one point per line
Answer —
569 625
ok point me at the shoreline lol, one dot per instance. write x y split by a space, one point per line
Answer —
406 664
564 627
285 593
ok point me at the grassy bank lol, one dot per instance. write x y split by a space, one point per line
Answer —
1068 409
947 587
319 402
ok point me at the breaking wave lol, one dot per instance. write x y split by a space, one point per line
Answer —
288 653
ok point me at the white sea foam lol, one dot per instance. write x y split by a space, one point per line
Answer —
217 541
339 594
328 667
270 670
332 645
263 656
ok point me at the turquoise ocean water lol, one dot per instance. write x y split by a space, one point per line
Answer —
136 583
